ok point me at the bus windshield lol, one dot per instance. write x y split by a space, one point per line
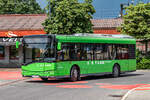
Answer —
38 50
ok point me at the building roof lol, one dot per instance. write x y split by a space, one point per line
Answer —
34 21
22 22
107 23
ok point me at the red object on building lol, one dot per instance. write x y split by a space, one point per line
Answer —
22 32
18 25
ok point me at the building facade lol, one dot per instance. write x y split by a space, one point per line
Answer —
12 29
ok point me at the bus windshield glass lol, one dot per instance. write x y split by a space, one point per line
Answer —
38 50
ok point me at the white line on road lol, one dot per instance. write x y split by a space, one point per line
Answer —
129 92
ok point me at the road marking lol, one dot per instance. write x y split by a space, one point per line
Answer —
15 81
51 84
74 86
129 92
122 87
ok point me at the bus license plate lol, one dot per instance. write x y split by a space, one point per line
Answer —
35 76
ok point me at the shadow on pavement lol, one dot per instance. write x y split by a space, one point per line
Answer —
88 78
130 75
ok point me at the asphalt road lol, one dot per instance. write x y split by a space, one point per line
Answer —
89 88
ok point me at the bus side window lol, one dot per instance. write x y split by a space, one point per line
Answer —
97 52
122 52
125 53
105 52
89 51
77 51
112 52
83 55
131 51
118 51
72 54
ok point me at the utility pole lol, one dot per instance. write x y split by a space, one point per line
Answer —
121 11
49 7
132 2
122 7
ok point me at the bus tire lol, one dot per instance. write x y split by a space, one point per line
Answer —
116 71
74 74
44 79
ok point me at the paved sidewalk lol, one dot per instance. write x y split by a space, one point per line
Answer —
10 69
139 93
10 75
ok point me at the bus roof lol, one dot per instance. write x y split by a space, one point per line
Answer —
91 38
96 38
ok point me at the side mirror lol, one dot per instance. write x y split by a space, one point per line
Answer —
59 46
17 44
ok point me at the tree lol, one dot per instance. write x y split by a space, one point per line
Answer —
137 22
69 16
20 7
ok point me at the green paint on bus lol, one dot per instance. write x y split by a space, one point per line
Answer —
96 55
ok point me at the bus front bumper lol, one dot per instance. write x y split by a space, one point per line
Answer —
52 77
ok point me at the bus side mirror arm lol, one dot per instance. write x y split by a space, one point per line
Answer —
59 46
17 44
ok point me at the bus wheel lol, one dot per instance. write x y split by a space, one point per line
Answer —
44 79
74 74
116 71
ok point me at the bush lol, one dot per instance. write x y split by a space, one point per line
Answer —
139 56
143 64
142 60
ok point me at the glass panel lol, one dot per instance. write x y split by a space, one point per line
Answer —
70 51
39 49
14 52
2 52
101 52
98 52
89 49
122 52
131 51
112 52
83 52
39 52
36 40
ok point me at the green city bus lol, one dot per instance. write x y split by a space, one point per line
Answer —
74 56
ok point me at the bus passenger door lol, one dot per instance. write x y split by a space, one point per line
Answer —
90 61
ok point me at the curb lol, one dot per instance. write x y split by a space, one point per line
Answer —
130 91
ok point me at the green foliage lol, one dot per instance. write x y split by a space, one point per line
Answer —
143 61
69 16
144 64
138 56
20 7
137 21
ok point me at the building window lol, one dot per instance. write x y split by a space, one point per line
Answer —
14 53
2 52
